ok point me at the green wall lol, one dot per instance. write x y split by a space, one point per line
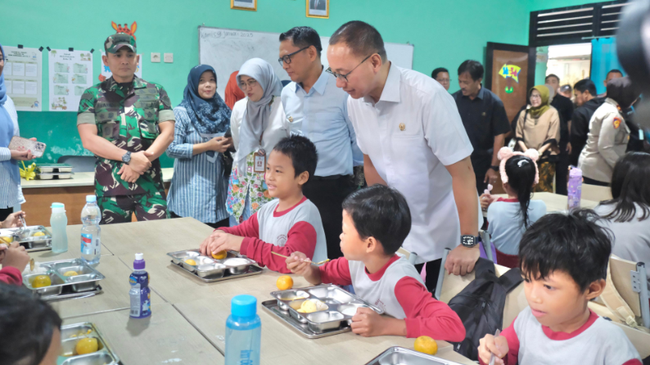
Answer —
444 33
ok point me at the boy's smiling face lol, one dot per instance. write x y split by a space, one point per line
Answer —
558 303
281 177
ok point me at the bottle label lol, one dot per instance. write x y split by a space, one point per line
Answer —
140 296
135 299
87 243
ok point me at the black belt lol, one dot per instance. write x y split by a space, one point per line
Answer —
331 177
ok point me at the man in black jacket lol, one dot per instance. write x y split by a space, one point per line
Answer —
564 107
587 103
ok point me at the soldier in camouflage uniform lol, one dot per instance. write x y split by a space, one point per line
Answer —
127 123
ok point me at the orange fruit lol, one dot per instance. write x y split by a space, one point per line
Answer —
87 346
190 262
426 344
41 281
220 255
284 282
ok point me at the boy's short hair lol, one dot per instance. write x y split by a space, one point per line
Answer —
380 212
302 153
26 326
573 243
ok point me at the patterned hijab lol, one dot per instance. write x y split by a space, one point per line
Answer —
257 113
208 116
7 128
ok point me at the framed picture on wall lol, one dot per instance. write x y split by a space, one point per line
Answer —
244 4
318 8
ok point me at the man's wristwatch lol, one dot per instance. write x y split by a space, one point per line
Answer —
495 168
468 240
126 158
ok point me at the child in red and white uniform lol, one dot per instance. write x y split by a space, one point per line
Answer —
13 258
564 260
286 224
376 220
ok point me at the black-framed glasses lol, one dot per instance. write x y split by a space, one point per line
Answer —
344 77
287 58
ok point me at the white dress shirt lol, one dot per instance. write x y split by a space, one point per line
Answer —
411 134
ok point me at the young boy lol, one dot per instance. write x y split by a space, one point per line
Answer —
376 220
289 223
13 258
29 328
564 260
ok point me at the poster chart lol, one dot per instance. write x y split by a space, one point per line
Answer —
23 77
106 72
71 73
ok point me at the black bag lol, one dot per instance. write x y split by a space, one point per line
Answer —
480 305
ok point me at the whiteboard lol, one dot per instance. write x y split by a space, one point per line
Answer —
227 49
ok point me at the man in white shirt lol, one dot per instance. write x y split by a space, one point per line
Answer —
413 139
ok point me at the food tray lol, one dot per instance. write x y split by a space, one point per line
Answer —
402 356
72 333
335 309
25 236
54 167
87 279
54 176
271 306
212 270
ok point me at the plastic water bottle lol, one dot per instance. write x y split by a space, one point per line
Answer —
243 332
574 188
90 243
139 293
58 222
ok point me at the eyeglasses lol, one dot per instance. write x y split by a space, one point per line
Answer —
534 96
444 80
342 76
250 83
287 58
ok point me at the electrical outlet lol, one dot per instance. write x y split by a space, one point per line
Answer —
155 57
169 57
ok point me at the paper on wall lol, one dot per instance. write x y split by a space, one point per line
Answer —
23 78
70 74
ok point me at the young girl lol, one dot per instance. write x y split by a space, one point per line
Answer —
509 218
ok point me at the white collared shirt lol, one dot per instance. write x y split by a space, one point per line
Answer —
411 134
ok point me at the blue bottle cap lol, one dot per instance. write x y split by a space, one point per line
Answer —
57 205
91 198
243 306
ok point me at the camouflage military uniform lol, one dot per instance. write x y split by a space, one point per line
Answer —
127 116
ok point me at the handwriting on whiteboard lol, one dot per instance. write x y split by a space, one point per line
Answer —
224 34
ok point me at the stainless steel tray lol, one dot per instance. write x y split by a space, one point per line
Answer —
25 236
72 333
402 356
54 176
211 270
54 167
271 306
87 279
335 307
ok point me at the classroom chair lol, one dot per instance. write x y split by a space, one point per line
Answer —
630 280
410 256
79 163
450 285
596 193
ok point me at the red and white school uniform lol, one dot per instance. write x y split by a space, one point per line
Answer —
298 228
399 290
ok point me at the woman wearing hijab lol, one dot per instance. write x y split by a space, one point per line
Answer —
257 124
539 128
233 93
11 194
199 186
608 133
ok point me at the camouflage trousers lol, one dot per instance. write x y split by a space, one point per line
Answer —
546 175
119 209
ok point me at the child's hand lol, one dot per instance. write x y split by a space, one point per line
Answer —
13 220
222 241
367 323
489 345
15 256
486 199
298 263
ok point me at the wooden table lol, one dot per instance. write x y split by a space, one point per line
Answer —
164 338
40 194
555 202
